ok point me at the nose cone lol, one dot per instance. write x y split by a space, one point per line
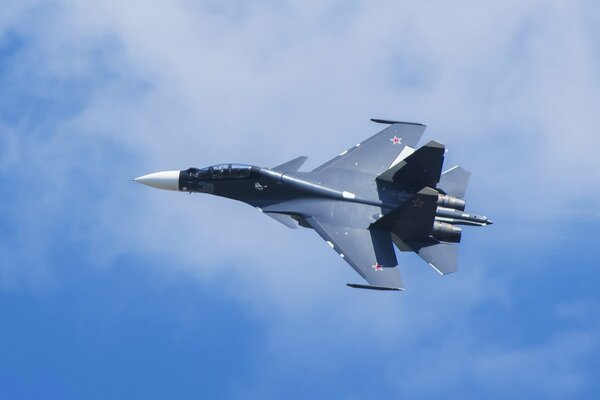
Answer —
168 180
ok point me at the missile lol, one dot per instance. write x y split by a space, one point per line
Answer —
460 217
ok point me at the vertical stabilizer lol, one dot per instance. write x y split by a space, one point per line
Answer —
422 168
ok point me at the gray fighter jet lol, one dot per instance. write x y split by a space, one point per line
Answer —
381 192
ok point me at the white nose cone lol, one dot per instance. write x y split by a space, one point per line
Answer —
168 180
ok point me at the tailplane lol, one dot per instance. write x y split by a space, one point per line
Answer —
442 257
455 181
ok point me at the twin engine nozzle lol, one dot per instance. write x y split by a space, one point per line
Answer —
448 201
449 213
446 232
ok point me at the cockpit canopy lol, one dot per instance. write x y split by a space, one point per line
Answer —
221 171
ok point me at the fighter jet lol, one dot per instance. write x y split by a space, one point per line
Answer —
378 193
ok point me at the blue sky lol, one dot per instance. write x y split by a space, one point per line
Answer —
110 289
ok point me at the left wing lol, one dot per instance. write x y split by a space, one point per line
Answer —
369 251
378 153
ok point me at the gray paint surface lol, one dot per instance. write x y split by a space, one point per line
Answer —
361 202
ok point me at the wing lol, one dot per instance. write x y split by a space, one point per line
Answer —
345 227
369 251
379 152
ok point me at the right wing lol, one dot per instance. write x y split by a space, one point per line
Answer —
345 227
378 153
369 251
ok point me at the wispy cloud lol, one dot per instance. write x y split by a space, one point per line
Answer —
99 92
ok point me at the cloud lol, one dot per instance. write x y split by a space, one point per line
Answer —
112 91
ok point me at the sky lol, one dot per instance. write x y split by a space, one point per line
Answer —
109 289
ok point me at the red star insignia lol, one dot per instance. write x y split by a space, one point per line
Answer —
377 267
418 203
395 140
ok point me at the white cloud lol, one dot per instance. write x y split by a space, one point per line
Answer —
510 87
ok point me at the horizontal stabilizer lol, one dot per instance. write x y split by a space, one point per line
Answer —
421 168
455 181
292 165
442 257
412 219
